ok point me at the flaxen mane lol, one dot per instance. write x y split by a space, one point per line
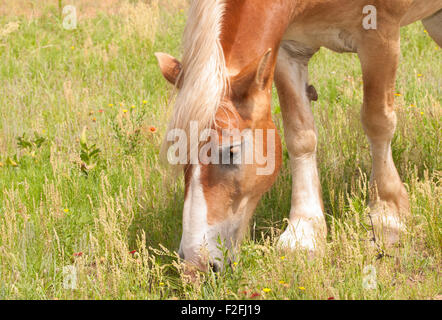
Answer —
204 71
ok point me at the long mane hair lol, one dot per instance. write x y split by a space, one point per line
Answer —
203 76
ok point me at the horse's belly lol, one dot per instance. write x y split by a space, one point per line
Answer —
335 39
337 31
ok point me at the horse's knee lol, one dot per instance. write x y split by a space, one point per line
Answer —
301 142
378 124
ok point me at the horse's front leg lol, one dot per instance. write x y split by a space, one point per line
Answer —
379 55
306 229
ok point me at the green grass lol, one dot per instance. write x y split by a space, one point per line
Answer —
56 82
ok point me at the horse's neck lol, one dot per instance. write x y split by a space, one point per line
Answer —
250 28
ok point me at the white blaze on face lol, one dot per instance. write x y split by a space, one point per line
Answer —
194 219
201 240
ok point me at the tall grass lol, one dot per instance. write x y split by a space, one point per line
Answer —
115 215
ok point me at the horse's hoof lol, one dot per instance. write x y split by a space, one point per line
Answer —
301 235
388 228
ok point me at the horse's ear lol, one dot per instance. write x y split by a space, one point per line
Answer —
254 76
170 67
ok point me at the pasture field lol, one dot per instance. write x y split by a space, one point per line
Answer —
82 116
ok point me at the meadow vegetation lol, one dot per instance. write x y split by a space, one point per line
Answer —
82 116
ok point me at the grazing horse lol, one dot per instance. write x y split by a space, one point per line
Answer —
233 50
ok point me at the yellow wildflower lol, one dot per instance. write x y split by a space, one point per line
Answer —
11 162
301 288
266 290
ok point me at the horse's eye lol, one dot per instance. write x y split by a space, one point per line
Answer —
230 155
235 149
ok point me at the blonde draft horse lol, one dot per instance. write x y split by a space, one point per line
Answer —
233 50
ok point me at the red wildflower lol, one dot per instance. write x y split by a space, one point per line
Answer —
133 251
78 254
331 298
254 295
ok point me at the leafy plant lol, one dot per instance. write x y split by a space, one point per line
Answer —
12 162
30 145
89 154
127 130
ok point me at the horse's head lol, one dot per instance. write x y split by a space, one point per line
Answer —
235 165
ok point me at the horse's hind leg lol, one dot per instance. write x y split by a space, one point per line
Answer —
306 228
433 24
389 205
